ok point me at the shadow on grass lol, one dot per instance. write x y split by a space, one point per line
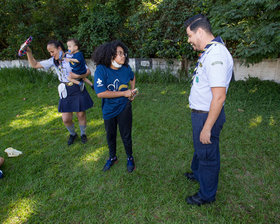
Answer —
52 182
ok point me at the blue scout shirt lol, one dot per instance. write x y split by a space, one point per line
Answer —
78 68
112 80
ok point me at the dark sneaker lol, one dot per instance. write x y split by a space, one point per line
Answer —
196 200
71 139
110 162
190 176
84 138
130 164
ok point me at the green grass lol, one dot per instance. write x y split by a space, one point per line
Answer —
53 183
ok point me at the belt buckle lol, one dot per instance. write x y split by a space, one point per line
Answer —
69 83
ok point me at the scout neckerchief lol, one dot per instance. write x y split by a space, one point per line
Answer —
60 73
217 40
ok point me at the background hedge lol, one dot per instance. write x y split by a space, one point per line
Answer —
150 28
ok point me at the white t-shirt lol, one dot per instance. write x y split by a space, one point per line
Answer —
214 70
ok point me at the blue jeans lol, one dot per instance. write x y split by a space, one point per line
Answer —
206 158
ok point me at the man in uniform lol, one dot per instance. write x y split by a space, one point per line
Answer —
211 80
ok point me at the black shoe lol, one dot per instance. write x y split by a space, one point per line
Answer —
83 138
110 162
196 200
130 164
71 139
190 176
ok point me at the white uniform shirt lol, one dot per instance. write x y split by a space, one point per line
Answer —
62 71
214 70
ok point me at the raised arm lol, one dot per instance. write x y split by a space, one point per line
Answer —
31 59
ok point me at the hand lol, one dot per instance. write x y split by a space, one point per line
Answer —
205 136
128 93
134 92
131 98
72 75
28 50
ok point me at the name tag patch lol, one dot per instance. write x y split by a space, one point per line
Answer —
217 63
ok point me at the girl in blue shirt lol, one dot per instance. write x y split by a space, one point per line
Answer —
112 78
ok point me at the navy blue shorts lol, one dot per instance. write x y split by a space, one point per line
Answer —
76 101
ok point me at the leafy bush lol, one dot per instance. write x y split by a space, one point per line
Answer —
44 20
99 25
157 30
150 28
251 27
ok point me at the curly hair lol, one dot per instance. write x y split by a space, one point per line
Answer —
105 53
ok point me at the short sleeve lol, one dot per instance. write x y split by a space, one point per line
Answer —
131 73
47 63
78 56
100 80
217 71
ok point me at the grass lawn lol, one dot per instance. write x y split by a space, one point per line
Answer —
53 183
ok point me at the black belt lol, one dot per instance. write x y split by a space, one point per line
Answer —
199 111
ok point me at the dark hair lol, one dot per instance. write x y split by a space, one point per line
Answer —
198 21
104 53
56 44
76 42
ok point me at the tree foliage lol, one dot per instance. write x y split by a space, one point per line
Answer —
252 27
42 19
150 28
157 30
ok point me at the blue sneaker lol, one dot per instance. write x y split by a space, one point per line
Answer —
110 162
82 85
130 164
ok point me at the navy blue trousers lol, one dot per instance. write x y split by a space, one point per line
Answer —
206 158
